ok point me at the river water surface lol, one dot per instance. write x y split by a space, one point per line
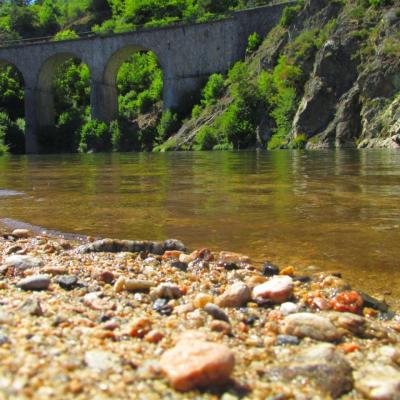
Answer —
330 210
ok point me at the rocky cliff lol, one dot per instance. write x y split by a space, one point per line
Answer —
327 76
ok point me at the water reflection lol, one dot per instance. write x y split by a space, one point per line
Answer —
338 210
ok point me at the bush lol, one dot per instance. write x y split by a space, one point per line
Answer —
3 147
65 35
167 126
196 111
67 136
289 14
206 139
253 43
279 91
379 3
237 124
95 136
213 90
140 84
12 135
299 142
124 137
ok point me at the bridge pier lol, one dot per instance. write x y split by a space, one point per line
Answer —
180 93
103 101
31 125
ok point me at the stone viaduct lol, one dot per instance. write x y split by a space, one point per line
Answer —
187 54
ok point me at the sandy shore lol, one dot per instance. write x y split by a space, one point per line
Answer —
141 320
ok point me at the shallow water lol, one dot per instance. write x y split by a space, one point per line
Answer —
332 210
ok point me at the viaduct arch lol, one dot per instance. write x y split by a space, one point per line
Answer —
187 54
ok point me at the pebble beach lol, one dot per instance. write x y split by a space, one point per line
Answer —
113 319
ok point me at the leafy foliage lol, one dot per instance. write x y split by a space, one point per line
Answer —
95 136
253 43
213 90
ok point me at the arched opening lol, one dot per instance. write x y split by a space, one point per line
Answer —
137 76
63 103
12 113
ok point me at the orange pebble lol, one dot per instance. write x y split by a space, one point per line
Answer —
349 347
171 254
288 271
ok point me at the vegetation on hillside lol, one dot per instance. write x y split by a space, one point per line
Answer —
139 79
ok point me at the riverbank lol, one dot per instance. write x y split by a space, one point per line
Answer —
145 320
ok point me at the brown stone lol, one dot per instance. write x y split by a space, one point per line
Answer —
197 364
311 325
236 295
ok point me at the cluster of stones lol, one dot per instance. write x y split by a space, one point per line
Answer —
202 320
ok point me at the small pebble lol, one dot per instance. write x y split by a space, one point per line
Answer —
4 339
269 269
221 326
32 306
237 295
140 327
119 285
180 265
216 312
138 285
21 233
35 282
101 361
202 299
276 290
228 257
289 308
67 282
310 325
162 307
168 291
287 339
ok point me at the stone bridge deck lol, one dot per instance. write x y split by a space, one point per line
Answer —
187 54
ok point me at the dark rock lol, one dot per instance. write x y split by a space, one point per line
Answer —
162 307
104 318
179 265
4 339
250 320
302 279
371 302
287 340
387 316
174 244
216 312
67 282
269 269
230 266
58 320
35 282
132 246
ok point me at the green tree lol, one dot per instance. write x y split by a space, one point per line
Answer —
48 17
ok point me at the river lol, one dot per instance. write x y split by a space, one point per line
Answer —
322 210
